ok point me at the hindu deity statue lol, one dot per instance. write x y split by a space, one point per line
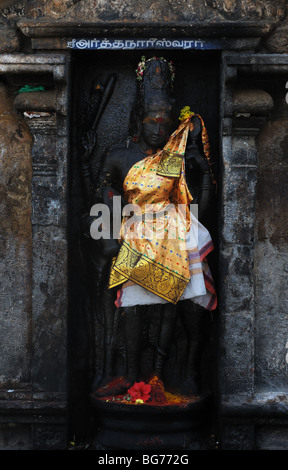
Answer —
158 263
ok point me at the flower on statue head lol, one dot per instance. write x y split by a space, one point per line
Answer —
140 391
185 113
142 66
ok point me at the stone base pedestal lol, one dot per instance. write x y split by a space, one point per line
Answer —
149 427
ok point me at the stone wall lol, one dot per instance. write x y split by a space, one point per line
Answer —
33 254
16 244
238 19
271 248
253 343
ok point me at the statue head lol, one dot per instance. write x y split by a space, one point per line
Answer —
155 77
156 126
153 113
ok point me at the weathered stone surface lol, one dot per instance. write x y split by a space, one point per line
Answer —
271 258
52 8
277 41
9 38
271 324
237 352
5 3
271 438
230 18
16 432
35 101
167 10
254 310
237 278
16 243
49 309
163 10
238 437
238 205
15 436
34 265
258 422
252 101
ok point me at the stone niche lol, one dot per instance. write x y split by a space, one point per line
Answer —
49 332
193 68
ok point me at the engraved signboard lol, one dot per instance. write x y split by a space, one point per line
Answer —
151 43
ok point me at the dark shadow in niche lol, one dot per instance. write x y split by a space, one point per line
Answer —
196 85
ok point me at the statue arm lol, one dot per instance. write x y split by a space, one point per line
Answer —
195 158
206 187
107 177
86 153
88 140
206 193
93 186
105 192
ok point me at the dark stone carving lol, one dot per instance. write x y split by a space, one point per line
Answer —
134 343
154 97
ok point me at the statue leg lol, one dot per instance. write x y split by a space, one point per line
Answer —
110 331
133 332
165 336
104 347
194 318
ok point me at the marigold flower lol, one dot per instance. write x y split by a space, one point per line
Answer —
185 113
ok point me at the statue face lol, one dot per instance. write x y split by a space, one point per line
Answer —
156 128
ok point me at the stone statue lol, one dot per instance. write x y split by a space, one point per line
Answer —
152 124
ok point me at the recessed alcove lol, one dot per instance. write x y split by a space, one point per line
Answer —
197 84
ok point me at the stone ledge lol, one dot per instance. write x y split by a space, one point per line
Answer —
63 28
23 411
260 406
33 59
27 402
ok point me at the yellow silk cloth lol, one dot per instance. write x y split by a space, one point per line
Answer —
172 155
153 252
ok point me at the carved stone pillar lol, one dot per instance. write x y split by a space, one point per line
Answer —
248 100
16 243
34 246
241 125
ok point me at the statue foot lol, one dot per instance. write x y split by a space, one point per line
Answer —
189 387
116 387
97 382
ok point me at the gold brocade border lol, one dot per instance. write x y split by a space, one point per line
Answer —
147 273
170 164
115 278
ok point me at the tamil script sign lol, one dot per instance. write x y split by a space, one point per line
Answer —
152 43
